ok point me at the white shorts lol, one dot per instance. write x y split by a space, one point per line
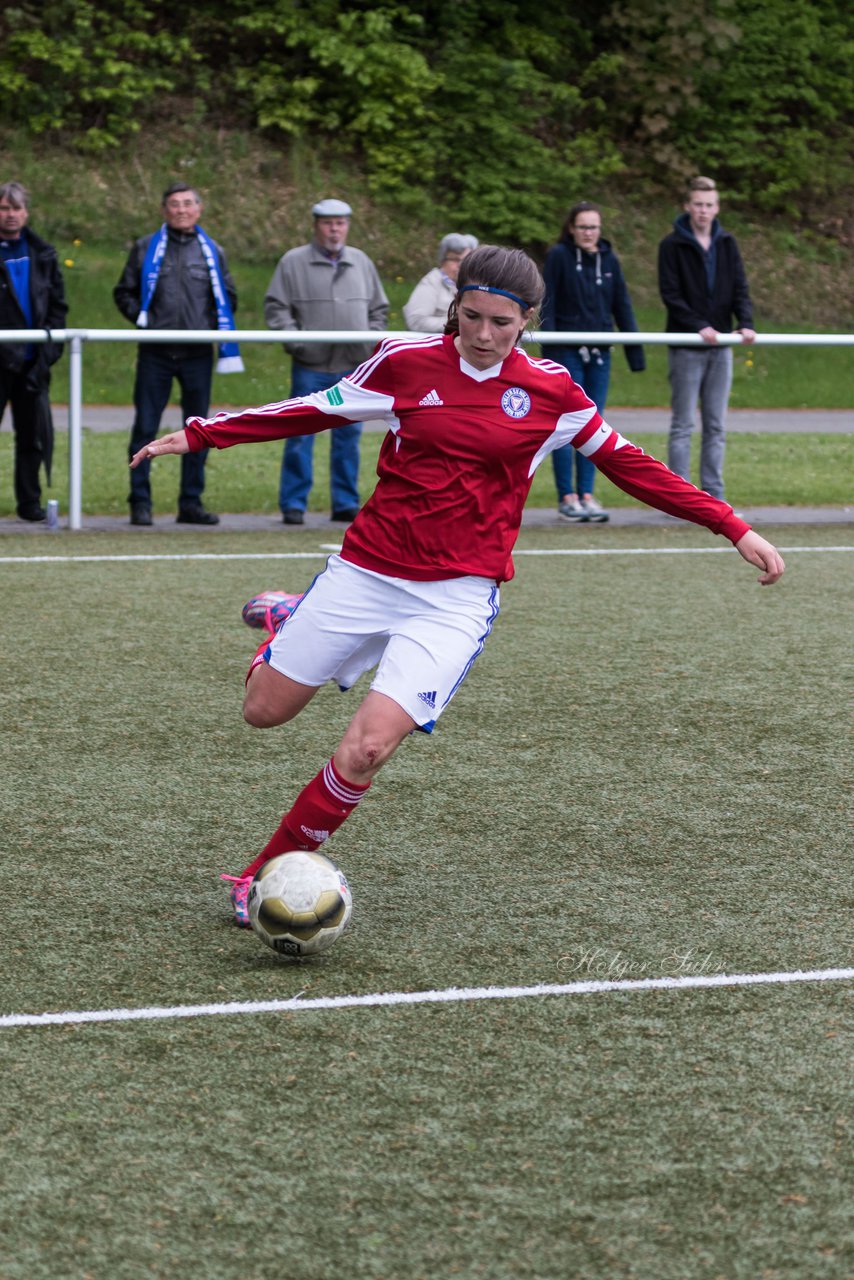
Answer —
422 636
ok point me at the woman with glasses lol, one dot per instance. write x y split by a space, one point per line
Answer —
585 292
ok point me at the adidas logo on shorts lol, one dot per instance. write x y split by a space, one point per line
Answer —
429 698
432 397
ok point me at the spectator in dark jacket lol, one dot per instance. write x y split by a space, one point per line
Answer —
703 284
32 296
177 278
585 291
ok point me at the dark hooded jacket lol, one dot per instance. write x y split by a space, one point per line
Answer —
587 291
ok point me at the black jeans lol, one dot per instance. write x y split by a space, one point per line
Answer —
156 369
26 407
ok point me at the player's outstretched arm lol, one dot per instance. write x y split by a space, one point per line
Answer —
175 442
757 551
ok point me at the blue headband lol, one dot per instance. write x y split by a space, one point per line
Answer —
487 288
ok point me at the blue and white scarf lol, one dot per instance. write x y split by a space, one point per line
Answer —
229 352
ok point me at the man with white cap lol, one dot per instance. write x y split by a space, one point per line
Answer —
325 284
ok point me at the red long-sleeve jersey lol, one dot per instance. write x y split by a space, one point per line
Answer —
462 447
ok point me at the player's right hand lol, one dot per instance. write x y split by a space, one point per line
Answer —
175 442
757 551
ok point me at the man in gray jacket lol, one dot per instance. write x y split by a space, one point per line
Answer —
324 285
177 278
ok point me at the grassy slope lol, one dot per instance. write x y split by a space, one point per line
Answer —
762 470
257 202
258 197
767 377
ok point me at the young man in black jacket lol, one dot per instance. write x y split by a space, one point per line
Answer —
703 285
32 296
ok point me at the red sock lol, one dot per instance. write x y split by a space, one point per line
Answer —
318 810
259 657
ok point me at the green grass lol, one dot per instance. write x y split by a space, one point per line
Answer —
764 378
108 368
679 794
258 192
761 470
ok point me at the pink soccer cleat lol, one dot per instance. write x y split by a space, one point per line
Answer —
269 610
239 895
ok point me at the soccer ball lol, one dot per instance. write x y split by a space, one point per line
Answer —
299 903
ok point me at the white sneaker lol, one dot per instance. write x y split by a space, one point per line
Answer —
593 511
571 509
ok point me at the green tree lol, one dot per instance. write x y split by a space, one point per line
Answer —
758 92
487 113
461 106
77 68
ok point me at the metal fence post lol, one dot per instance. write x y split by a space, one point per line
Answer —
75 432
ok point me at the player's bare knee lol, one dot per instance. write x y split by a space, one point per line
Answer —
359 766
365 756
259 711
374 756
255 713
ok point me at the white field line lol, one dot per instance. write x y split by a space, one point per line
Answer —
451 995
313 555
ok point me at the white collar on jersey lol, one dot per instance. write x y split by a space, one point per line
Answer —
480 375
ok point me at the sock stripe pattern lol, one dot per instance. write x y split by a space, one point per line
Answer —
347 793
318 811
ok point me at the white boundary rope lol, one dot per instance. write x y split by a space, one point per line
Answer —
451 995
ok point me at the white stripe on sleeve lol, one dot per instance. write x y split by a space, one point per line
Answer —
605 433
359 404
566 429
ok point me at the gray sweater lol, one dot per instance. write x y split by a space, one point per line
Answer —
308 291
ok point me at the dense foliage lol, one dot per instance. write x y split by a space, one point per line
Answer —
490 109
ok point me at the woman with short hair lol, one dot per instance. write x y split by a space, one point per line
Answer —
427 308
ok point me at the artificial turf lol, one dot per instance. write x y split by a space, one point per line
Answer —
644 775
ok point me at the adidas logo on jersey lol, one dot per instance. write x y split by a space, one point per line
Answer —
429 698
432 397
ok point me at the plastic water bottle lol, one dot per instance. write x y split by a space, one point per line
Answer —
52 513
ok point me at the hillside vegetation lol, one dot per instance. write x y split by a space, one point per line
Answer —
485 115
489 110
471 115
258 193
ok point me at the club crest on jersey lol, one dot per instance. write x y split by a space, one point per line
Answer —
516 403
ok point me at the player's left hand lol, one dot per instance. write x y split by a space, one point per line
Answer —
747 335
756 550
175 442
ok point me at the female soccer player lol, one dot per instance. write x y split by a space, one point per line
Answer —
414 591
